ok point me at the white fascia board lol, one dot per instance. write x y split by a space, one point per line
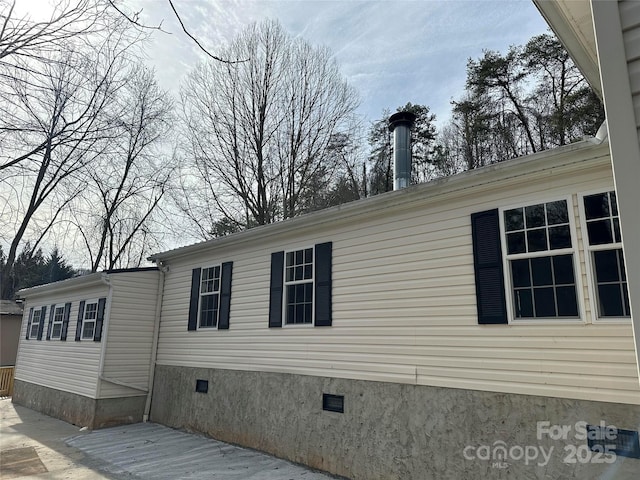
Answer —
74 283
485 176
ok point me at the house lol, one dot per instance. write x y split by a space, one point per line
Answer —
10 321
390 337
402 336
478 326
86 347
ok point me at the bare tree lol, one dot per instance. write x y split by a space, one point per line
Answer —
259 131
53 125
20 36
115 212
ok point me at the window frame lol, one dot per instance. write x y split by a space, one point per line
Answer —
93 301
37 309
55 322
573 250
589 263
311 281
200 295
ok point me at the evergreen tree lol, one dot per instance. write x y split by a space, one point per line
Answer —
32 268
530 99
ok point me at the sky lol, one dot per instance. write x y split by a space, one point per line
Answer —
392 52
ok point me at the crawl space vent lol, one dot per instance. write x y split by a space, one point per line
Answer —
333 403
202 386
625 443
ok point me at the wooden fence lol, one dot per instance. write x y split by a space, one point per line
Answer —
6 381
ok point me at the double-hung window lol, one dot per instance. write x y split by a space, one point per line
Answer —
36 319
298 282
89 320
57 320
540 261
35 324
604 242
209 297
300 287
210 300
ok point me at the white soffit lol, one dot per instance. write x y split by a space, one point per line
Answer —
572 22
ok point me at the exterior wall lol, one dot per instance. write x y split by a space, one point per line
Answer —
78 409
9 337
129 337
68 366
388 430
404 301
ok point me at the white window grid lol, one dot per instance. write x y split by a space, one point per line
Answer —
590 249
298 291
507 258
89 318
56 327
35 322
209 300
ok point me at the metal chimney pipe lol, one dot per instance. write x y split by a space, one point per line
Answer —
400 124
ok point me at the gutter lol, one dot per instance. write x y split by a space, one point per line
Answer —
156 335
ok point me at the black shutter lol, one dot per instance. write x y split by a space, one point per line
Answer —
225 295
29 323
51 313
489 276
195 297
79 324
323 284
65 321
43 316
97 335
275 289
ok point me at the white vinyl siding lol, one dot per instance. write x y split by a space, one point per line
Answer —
63 365
127 338
404 303
129 335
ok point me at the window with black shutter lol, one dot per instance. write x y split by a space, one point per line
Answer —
300 287
487 257
540 258
539 255
210 299
91 318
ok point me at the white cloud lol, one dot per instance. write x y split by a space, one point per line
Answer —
392 52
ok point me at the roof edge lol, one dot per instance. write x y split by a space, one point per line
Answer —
470 178
88 280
